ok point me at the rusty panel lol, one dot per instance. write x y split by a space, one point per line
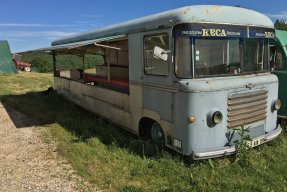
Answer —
112 97
233 108
246 100
107 103
246 121
246 107
247 111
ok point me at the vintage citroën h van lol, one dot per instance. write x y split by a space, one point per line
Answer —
185 78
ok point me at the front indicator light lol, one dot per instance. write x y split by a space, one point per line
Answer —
191 119
277 104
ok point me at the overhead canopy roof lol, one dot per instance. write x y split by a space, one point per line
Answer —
78 47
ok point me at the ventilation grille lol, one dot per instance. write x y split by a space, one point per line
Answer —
246 107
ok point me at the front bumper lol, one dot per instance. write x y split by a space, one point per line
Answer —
230 150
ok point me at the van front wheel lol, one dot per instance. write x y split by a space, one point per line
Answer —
157 135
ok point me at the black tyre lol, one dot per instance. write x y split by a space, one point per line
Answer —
27 69
157 135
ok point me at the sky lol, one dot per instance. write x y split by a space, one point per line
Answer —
33 24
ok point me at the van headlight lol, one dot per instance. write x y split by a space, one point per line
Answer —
276 105
216 117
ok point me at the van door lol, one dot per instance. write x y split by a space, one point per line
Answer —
157 78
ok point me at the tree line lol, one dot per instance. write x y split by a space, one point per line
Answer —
42 62
280 24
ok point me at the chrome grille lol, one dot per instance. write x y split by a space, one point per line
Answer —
246 107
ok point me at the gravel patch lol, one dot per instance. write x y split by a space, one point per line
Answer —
27 163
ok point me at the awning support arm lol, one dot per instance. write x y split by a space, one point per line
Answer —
54 63
83 55
106 46
108 63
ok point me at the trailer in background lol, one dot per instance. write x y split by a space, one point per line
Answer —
20 65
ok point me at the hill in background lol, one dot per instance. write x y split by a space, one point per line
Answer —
43 62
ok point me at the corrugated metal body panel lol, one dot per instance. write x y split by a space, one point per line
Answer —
246 107
6 64
189 14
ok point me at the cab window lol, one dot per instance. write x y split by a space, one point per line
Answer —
156 54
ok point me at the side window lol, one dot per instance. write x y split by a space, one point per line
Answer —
183 58
156 54
278 61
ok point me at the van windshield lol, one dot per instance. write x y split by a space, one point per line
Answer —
220 57
217 57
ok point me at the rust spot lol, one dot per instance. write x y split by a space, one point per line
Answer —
193 18
212 9
207 12
186 11
216 8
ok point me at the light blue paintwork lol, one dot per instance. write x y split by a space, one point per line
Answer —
181 98
189 14
204 95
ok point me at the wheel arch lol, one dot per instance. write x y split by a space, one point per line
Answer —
145 126
150 117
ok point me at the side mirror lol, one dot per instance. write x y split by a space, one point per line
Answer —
160 53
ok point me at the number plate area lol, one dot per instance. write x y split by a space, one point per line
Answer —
255 142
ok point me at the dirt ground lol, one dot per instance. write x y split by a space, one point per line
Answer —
27 163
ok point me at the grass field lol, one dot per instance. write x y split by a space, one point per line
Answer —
115 160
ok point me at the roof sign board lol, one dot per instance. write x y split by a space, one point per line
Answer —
221 30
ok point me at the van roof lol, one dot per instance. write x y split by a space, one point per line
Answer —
167 19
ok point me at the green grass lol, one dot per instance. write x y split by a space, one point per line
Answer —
114 160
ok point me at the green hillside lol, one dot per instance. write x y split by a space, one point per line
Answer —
43 61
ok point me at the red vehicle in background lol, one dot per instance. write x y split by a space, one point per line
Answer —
21 65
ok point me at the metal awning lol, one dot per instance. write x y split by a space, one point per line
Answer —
77 47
